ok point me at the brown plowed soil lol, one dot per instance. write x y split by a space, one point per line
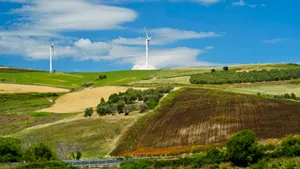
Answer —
206 117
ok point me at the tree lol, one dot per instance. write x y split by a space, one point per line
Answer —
120 107
88 112
38 152
143 107
10 150
213 70
242 148
226 68
293 96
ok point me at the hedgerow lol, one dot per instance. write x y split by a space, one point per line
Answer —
228 77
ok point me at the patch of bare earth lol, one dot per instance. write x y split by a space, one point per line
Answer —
79 101
17 88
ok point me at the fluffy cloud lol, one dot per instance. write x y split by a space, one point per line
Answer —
72 15
166 35
242 3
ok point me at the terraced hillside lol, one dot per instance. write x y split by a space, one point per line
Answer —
192 117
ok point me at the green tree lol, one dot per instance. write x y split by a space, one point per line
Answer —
213 70
88 112
293 96
10 150
242 148
120 107
38 152
226 68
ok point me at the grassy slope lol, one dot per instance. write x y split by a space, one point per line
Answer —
205 117
95 136
272 89
176 72
73 80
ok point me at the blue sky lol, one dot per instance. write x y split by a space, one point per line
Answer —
105 35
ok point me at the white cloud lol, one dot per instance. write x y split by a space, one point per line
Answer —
274 40
263 5
69 15
242 3
207 2
166 35
209 47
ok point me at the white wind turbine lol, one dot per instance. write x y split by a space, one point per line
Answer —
147 48
51 55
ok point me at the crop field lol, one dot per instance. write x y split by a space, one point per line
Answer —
94 137
174 80
79 101
187 71
192 117
16 88
75 80
272 89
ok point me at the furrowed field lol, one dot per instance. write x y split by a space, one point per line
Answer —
191 119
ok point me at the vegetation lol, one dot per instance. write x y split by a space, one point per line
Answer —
75 80
225 68
201 118
241 150
88 112
243 77
26 102
119 102
93 138
102 77
10 150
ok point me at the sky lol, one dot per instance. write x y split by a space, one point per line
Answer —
107 35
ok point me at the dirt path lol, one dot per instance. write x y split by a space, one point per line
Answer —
79 101
17 88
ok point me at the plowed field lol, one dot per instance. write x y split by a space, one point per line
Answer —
201 118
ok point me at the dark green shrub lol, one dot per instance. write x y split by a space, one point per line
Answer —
87 84
88 112
213 70
226 68
262 164
134 165
293 96
198 162
120 107
214 166
214 155
102 77
2 80
242 148
287 96
104 109
152 103
10 150
38 152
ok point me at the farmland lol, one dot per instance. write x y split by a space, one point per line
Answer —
76 80
194 117
272 89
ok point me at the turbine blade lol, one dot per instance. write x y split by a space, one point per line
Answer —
146 33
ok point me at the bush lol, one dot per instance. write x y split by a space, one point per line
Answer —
105 109
120 107
242 148
293 96
143 107
10 150
213 70
38 152
290 147
87 84
88 112
214 155
226 68
102 77
2 80
134 165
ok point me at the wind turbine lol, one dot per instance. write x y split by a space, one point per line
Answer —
147 47
51 55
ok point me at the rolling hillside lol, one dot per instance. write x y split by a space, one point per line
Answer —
195 118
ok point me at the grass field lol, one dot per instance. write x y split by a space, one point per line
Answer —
176 72
272 89
75 80
95 137
11 123
174 80
194 117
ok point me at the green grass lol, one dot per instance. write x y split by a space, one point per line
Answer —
174 80
39 114
26 102
75 80
176 72
272 89
93 136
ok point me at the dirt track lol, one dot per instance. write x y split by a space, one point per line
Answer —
78 101
16 88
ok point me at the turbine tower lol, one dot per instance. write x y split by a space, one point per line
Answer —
51 55
147 48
